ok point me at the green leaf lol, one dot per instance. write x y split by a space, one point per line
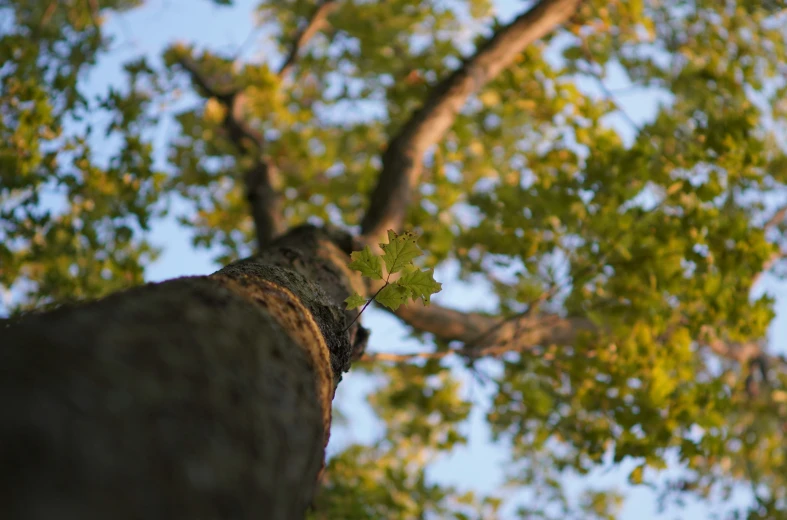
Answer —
421 284
392 296
636 475
366 263
400 251
354 301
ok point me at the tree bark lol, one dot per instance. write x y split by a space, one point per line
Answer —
200 397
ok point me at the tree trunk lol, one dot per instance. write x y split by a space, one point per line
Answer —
200 397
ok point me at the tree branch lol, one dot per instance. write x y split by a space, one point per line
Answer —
483 335
94 9
742 352
262 191
223 94
488 336
779 255
403 358
317 22
776 219
403 159
262 179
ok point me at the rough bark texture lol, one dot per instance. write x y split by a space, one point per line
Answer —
201 397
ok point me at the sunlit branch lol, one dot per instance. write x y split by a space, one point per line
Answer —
94 9
776 219
484 336
403 158
517 334
771 223
742 352
780 255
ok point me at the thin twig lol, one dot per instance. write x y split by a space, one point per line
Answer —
242 47
610 97
399 358
768 265
370 300
519 316
316 22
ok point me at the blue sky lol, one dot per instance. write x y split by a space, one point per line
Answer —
476 466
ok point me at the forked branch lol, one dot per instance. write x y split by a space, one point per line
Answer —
262 179
403 158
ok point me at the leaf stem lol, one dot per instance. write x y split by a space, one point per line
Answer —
370 300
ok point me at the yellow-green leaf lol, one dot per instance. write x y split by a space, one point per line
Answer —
636 475
421 284
392 296
354 301
399 251
366 263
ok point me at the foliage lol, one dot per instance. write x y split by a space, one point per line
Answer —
645 217
398 255
70 219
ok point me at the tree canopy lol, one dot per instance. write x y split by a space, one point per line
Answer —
620 254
